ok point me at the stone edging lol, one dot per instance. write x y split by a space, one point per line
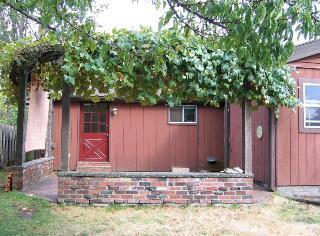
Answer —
153 175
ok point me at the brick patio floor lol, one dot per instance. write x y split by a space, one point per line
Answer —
46 188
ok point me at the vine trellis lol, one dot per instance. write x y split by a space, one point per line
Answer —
140 66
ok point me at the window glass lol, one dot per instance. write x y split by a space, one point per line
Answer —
86 128
94 128
183 114
94 117
102 128
313 113
311 106
190 114
176 114
102 117
312 92
95 107
87 117
312 124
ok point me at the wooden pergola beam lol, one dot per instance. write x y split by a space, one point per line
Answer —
247 137
21 117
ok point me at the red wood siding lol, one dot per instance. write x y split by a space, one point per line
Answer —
74 135
298 154
260 147
142 140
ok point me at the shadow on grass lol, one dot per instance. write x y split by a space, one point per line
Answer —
297 212
24 215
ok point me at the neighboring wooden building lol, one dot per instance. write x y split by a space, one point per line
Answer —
293 159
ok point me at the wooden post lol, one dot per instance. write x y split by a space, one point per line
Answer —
226 134
49 131
272 150
21 117
247 137
65 128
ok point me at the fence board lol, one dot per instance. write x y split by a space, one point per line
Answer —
7 145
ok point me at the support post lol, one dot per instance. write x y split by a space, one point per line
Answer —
272 150
49 131
247 137
226 134
21 117
65 128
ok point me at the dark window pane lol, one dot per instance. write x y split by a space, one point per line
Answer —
87 107
95 107
102 128
94 117
312 92
99 107
87 117
189 114
312 113
176 114
312 124
86 128
103 117
102 107
94 128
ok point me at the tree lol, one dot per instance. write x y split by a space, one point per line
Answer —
260 31
12 25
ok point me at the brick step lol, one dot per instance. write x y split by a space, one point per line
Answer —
93 167
89 163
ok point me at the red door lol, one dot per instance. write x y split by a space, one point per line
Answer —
94 132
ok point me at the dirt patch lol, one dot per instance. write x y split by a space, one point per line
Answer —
23 211
27 213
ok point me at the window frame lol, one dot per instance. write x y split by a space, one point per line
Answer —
183 122
310 104
302 111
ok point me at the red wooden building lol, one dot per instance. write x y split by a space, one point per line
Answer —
129 137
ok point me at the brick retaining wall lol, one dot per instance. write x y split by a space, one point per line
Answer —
30 172
154 188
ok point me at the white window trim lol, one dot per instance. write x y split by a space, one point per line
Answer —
183 122
309 103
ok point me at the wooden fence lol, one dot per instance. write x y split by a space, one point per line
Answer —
7 145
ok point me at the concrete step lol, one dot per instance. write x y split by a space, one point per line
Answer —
93 167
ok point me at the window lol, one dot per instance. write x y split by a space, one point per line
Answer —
186 114
94 117
311 105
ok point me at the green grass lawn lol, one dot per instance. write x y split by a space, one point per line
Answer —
26 215
3 178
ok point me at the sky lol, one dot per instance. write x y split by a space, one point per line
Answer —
127 14
132 14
